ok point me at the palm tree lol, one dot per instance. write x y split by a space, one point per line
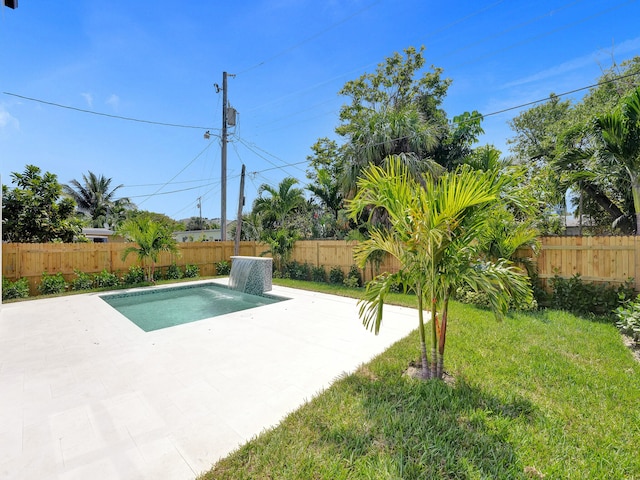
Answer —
151 237
400 131
96 198
620 135
274 211
282 201
433 224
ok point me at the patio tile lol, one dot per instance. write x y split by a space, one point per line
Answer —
87 394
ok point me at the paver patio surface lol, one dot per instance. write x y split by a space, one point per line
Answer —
86 394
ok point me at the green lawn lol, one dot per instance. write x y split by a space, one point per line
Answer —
545 393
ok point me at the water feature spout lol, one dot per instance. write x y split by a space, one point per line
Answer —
251 274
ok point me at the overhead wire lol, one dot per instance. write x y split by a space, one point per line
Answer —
308 39
182 170
119 117
542 35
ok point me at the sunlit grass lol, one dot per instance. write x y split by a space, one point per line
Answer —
543 393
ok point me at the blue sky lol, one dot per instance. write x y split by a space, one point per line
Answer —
158 61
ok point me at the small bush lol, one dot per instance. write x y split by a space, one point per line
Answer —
297 271
191 271
223 268
353 278
83 281
17 289
105 279
52 284
134 275
173 272
318 274
629 319
576 296
351 282
481 299
336 275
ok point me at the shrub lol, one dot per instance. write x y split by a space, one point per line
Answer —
318 274
336 275
353 278
106 279
134 275
173 272
223 268
481 299
83 281
52 284
297 271
576 296
351 282
191 271
17 289
629 319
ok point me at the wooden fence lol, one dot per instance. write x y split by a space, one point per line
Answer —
598 259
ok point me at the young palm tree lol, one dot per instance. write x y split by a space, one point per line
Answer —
95 197
151 237
281 202
274 211
433 226
620 135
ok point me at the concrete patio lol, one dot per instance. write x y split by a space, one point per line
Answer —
86 394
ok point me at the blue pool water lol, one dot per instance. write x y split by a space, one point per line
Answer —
166 307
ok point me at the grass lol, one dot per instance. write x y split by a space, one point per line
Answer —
539 394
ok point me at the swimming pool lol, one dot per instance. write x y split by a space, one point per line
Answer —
166 307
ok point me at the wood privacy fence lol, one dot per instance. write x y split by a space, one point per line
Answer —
597 259
611 260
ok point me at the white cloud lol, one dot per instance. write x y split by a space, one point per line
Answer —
114 101
597 57
7 120
88 98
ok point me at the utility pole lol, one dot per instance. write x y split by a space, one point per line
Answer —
200 208
223 173
236 247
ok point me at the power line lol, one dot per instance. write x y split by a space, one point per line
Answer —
544 34
308 39
102 114
183 169
156 193
605 82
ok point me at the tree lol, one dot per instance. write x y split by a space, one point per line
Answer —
434 224
325 173
620 142
393 111
557 142
35 211
96 199
281 202
275 212
197 223
151 237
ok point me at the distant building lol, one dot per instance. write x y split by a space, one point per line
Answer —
101 235
212 235
573 227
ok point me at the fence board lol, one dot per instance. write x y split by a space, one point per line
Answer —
597 259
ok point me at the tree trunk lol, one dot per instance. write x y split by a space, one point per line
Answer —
423 338
607 205
635 189
443 336
434 339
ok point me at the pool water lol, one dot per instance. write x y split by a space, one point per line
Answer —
166 307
